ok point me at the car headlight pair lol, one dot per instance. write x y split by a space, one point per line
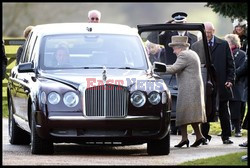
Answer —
70 99
138 99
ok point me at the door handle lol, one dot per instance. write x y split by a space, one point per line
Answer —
13 74
25 80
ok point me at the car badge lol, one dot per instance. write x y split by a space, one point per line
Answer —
89 29
104 75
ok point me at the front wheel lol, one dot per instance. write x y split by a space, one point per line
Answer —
38 144
17 136
159 147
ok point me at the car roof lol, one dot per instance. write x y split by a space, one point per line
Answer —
69 28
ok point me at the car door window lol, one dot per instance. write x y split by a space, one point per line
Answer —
29 48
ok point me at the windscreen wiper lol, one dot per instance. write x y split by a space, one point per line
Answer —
124 68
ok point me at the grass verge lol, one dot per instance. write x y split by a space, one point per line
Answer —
233 159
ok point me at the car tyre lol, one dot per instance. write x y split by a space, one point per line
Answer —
159 147
17 136
38 144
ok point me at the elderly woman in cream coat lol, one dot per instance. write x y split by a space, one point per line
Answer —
190 107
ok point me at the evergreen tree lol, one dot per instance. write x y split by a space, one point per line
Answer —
231 10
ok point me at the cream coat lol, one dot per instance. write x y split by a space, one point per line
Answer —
190 107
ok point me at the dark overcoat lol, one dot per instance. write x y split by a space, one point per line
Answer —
223 62
239 86
241 71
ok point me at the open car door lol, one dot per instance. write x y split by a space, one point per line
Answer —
156 38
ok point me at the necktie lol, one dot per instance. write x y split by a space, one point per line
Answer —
210 45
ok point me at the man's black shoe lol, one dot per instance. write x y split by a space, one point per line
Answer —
227 141
245 144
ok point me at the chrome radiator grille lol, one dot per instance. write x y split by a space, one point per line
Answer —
106 101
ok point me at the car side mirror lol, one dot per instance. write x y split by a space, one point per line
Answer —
25 67
159 67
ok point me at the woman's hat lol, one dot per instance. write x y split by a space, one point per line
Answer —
179 41
239 22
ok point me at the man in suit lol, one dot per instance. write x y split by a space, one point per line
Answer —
223 62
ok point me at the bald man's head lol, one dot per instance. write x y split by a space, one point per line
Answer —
209 29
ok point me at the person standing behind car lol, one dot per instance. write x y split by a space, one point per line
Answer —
4 61
94 16
240 28
223 62
26 33
190 106
242 71
235 103
156 52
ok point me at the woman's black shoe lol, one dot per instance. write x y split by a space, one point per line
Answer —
186 142
208 138
198 142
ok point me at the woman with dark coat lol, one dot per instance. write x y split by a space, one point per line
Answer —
235 103
242 71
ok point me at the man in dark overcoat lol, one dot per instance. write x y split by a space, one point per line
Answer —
223 62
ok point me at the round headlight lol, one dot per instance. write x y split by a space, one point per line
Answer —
154 98
54 98
138 99
70 99
43 97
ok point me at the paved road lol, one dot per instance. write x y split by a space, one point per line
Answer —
73 154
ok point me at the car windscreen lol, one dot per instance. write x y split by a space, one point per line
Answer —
92 51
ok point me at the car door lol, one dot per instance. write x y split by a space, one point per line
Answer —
21 83
160 34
